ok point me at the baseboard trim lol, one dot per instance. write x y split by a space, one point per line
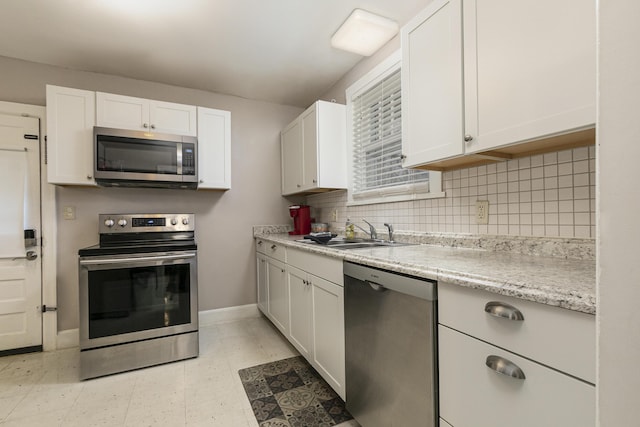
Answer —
210 317
68 338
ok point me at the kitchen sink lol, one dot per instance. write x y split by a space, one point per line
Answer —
354 244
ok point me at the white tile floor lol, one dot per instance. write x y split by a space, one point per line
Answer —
43 389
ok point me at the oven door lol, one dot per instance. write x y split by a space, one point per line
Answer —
137 297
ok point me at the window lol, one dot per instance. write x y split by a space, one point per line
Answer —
375 122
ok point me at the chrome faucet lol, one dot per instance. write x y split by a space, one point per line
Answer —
372 230
390 227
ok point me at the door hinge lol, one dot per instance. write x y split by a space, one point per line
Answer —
45 308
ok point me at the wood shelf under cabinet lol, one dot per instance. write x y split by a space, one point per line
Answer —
566 141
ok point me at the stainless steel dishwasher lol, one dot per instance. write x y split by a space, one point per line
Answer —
390 344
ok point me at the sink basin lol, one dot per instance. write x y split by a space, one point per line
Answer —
354 244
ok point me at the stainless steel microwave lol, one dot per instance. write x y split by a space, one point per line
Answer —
144 159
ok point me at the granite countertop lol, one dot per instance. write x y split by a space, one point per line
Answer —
561 282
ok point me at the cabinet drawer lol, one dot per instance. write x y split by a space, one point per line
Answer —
271 249
474 395
556 337
322 266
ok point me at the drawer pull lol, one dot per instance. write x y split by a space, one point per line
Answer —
505 367
504 310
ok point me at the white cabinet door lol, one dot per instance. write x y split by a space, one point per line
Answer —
300 310
328 332
309 149
122 112
262 284
128 112
432 98
529 69
314 150
278 295
214 149
474 395
70 121
291 146
169 117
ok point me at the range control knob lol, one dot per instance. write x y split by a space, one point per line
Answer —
109 223
174 221
122 222
185 221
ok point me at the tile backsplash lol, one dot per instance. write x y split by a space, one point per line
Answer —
547 195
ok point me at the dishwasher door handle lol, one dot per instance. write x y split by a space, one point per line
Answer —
375 286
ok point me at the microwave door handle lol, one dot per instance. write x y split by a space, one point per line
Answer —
135 259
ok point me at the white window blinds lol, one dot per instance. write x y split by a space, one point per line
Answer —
377 139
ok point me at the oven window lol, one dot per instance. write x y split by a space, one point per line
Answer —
138 299
116 154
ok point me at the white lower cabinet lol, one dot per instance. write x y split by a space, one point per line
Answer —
504 361
278 304
328 332
474 395
303 295
263 290
301 311
272 284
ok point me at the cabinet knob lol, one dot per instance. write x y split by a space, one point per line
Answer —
298 185
145 125
468 138
89 177
315 181
273 247
153 126
201 181
403 156
260 242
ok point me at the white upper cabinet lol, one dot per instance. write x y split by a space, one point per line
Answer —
127 112
214 149
70 121
495 78
432 108
314 156
291 145
530 69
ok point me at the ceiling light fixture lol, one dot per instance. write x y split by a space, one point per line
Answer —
364 32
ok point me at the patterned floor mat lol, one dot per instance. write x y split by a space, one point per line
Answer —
290 393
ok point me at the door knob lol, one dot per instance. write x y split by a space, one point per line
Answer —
31 255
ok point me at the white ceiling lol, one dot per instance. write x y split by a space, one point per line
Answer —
272 50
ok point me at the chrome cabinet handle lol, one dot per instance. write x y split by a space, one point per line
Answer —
259 242
468 138
153 126
503 310
31 255
89 177
505 367
273 247
144 125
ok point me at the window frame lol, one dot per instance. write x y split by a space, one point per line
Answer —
403 192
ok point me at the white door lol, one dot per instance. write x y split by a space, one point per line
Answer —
20 266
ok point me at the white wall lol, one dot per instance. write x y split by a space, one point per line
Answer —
618 236
224 219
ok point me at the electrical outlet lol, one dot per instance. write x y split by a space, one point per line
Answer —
482 212
334 215
69 212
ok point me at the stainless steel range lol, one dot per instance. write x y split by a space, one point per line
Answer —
138 293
